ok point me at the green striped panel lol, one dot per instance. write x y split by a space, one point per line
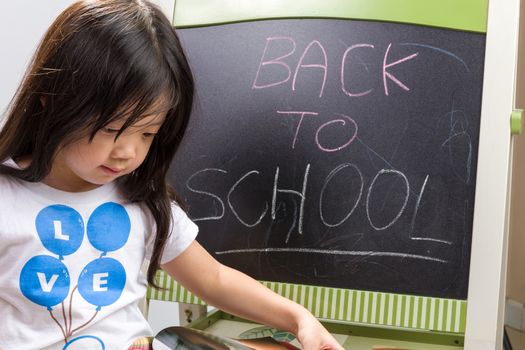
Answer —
171 291
406 311
468 15
376 308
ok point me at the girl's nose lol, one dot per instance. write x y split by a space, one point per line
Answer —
124 149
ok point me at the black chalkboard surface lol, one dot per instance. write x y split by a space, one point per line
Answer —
335 152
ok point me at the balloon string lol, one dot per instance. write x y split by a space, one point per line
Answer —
59 325
64 316
85 324
70 312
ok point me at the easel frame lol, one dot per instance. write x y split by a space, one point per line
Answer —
486 297
484 315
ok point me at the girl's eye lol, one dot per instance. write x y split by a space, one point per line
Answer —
148 134
110 130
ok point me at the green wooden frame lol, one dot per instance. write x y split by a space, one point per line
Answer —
467 15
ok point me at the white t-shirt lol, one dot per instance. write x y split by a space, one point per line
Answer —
71 266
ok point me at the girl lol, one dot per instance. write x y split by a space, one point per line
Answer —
85 148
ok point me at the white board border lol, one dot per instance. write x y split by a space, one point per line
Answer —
488 264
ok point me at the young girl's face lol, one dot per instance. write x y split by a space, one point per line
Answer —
83 165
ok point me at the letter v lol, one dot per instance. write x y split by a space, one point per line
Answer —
46 286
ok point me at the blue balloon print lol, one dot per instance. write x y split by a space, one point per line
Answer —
101 282
60 228
45 280
84 344
108 227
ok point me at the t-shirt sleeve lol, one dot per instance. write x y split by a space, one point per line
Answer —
183 233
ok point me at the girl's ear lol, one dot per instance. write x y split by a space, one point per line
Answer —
43 101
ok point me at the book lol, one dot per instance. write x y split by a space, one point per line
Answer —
182 338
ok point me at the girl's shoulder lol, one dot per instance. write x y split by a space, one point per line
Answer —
9 183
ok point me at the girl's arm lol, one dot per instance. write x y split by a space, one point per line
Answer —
241 295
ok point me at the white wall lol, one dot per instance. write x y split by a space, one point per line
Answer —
22 25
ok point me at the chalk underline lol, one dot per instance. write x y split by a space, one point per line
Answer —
330 252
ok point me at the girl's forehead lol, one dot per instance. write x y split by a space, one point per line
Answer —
154 114
155 118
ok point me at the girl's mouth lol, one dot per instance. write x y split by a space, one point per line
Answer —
111 171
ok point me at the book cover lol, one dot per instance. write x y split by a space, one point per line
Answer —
182 338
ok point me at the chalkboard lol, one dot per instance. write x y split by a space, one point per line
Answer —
335 152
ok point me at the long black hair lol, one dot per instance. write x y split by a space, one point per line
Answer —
97 58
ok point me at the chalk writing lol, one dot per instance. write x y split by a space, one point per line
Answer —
384 172
451 54
390 75
339 121
217 198
328 178
331 252
231 206
323 66
275 61
343 65
418 203
302 195
302 114
269 66
343 119
459 139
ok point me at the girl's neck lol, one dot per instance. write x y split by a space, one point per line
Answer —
68 186
23 162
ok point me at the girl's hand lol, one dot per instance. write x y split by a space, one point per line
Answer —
313 336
